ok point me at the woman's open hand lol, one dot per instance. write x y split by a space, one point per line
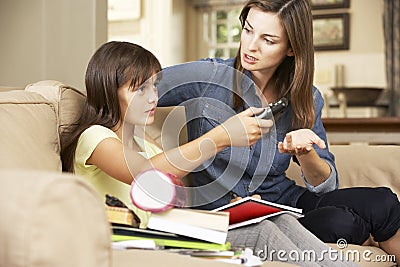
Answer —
300 142
244 130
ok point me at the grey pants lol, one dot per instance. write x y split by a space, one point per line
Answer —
283 238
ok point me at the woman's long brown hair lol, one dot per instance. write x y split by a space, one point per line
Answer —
294 77
112 65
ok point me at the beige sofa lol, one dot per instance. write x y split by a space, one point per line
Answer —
51 218
364 165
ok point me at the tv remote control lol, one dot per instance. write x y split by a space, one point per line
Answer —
273 109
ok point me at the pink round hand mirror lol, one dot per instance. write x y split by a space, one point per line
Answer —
156 191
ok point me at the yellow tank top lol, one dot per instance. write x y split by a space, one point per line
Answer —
102 182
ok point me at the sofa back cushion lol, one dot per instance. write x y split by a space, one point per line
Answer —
169 127
51 219
28 134
10 88
32 121
362 165
67 100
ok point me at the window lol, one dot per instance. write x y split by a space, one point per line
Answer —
221 28
224 35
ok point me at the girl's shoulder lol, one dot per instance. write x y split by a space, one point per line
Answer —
97 132
89 140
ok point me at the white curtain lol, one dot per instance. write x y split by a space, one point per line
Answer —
391 17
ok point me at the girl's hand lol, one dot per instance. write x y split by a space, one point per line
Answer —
244 130
235 199
239 198
300 142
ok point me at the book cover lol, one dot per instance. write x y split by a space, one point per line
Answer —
120 215
200 224
164 239
250 210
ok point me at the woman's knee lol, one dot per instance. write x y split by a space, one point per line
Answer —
333 223
386 198
385 214
381 199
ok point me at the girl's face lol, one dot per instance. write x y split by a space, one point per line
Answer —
138 104
264 43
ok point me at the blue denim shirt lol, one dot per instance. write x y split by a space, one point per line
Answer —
205 89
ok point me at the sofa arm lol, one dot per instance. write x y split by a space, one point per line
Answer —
51 219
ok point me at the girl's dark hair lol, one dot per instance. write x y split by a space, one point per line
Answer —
294 76
113 65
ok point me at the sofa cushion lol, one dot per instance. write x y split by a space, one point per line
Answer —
67 100
370 165
28 136
363 165
51 219
10 88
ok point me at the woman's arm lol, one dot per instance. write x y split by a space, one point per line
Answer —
300 143
311 150
239 130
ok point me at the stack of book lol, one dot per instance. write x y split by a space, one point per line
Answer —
179 228
197 229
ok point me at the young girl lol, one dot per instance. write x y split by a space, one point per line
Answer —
276 52
121 82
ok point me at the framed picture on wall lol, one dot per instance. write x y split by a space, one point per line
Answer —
329 4
331 31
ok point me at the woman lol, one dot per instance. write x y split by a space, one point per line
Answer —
276 52
121 82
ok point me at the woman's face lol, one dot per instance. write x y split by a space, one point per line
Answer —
264 43
138 104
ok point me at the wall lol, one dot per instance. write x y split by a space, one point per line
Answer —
49 39
364 63
53 39
160 28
